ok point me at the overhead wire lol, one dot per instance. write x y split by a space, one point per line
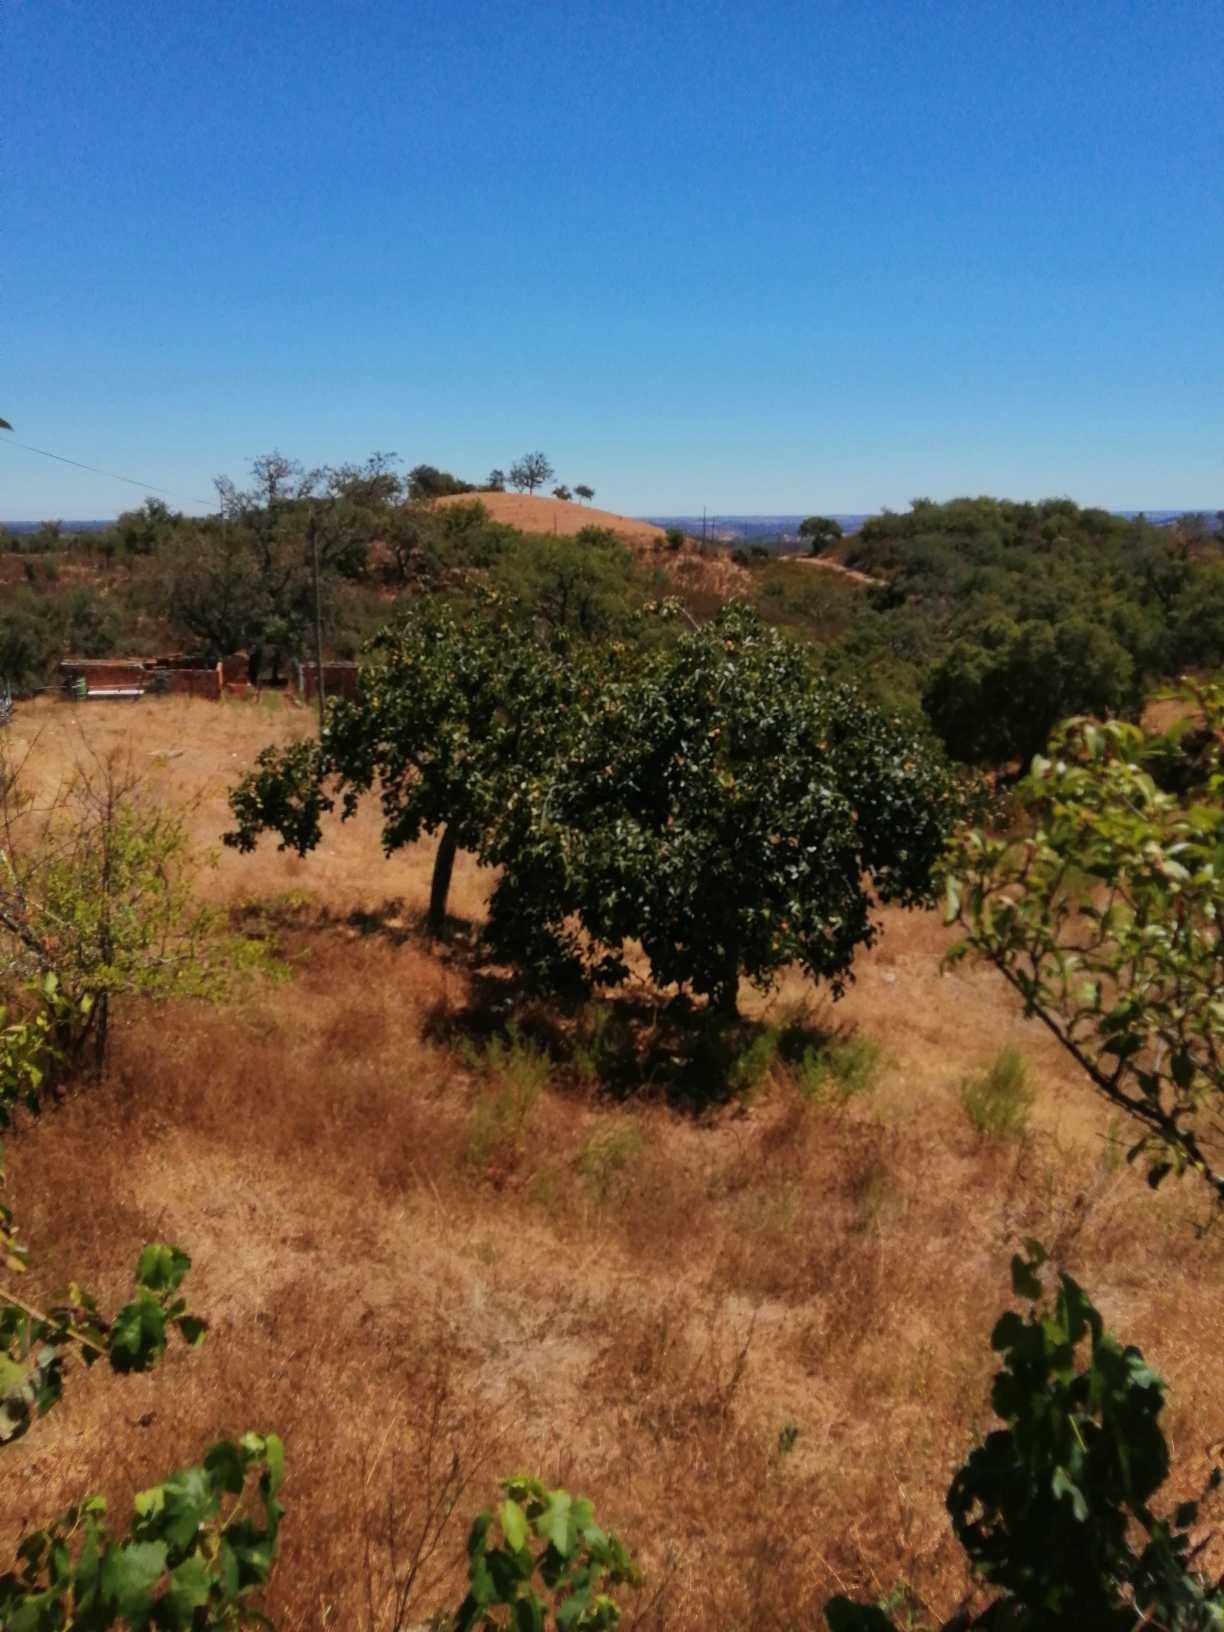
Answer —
149 487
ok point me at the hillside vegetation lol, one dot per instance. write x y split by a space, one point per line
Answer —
562 1070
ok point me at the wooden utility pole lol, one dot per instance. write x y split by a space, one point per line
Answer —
312 527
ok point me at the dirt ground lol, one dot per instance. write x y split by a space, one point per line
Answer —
636 1302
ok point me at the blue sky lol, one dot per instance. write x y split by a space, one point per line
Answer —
782 256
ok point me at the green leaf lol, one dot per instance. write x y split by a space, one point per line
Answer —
514 1524
553 1524
1063 1485
129 1574
161 1268
138 1336
1026 1283
843 1615
190 1583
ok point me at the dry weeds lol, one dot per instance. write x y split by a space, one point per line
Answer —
759 1339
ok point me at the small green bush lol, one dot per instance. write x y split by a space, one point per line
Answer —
605 1157
515 1070
998 1101
839 1072
752 1065
603 1049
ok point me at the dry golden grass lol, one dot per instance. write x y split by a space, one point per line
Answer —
628 1300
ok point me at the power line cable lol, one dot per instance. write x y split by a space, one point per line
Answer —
187 498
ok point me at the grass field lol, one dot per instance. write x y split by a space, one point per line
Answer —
427 1267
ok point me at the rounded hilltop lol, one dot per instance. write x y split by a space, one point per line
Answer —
535 513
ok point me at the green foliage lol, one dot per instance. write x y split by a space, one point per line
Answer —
840 1071
454 707
712 803
1104 914
751 1065
579 586
34 1346
1007 617
542 1558
426 482
998 1100
999 691
183 1563
193 1557
1054 1508
704 797
514 1072
820 533
37 629
97 888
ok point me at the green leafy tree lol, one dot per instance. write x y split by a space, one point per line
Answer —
530 472
562 492
542 1561
580 586
373 485
97 890
820 533
584 493
427 482
145 531
715 804
495 481
452 705
1103 912
1054 1509
707 798
999 691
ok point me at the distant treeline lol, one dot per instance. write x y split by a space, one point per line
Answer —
989 618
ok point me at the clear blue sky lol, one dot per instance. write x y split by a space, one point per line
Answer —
785 255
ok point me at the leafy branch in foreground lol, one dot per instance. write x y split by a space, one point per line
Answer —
34 1344
1054 1508
551 1537
1104 913
190 1560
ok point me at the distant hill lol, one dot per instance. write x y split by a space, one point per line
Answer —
68 526
537 514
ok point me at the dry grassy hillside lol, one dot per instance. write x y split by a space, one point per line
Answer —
536 513
712 574
426 1270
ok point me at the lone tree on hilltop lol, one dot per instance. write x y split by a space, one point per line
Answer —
583 493
530 472
820 532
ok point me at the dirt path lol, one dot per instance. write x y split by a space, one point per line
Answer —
833 566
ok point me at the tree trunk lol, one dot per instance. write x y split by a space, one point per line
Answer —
724 1000
439 890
